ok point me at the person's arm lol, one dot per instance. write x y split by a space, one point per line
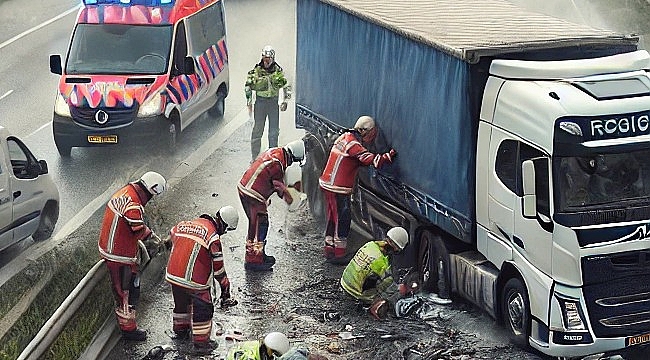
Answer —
367 158
219 272
134 217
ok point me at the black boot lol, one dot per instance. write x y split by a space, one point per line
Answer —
135 335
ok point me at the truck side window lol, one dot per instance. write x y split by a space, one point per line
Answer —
506 165
541 177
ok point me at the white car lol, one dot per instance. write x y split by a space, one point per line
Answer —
29 199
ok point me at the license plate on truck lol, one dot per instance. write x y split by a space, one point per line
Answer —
637 340
102 139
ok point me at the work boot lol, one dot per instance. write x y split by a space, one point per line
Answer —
379 309
328 247
256 259
267 265
134 335
205 347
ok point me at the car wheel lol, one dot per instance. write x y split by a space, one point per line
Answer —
515 311
63 149
172 136
49 217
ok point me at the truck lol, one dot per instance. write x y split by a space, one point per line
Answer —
522 157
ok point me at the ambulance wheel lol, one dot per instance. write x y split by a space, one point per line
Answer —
515 311
63 149
219 108
172 136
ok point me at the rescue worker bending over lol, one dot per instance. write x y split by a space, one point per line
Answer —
196 260
120 242
264 177
368 277
266 79
273 346
337 181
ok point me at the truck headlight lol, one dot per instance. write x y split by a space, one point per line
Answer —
571 315
61 106
151 107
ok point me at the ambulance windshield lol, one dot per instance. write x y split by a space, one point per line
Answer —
119 49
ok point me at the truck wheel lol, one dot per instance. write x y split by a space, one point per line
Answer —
515 311
49 217
219 108
311 172
433 264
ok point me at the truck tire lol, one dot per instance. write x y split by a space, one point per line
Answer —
49 217
433 264
515 311
314 163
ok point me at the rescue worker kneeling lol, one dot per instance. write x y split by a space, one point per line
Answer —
196 260
368 276
273 346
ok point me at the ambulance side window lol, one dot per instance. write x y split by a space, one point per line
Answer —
205 28
180 49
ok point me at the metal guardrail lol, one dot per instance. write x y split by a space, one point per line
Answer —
55 324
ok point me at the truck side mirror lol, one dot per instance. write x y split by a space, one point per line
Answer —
43 165
188 66
530 198
55 64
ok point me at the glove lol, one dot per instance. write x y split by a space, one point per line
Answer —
392 154
283 106
228 302
288 198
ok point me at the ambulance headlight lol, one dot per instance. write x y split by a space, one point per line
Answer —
151 107
571 315
61 106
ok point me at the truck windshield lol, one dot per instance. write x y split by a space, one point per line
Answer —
119 49
612 180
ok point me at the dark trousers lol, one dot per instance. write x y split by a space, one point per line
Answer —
265 107
339 214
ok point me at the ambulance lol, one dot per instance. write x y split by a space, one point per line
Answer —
140 72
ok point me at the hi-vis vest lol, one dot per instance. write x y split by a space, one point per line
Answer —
123 225
345 158
196 255
247 350
368 260
257 181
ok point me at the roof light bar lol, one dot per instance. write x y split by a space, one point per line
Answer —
129 2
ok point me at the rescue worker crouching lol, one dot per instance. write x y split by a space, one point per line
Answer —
368 277
195 261
348 153
274 345
120 242
264 177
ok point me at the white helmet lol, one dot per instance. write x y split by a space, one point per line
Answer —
399 236
365 122
297 150
229 216
277 342
268 51
153 182
292 175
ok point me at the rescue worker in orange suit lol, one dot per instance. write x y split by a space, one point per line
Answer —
348 153
264 177
120 242
196 260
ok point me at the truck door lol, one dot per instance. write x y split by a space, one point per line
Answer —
6 203
533 235
502 189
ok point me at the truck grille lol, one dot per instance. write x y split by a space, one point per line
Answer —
624 312
117 117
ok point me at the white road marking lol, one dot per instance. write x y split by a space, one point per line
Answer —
6 94
39 26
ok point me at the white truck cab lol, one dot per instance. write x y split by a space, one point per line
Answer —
29 198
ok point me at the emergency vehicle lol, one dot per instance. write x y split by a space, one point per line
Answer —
138 71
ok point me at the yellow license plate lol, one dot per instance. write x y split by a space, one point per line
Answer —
102 139
636 340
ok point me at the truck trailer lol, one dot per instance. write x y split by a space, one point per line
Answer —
523 162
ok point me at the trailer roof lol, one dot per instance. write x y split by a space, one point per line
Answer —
471 29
